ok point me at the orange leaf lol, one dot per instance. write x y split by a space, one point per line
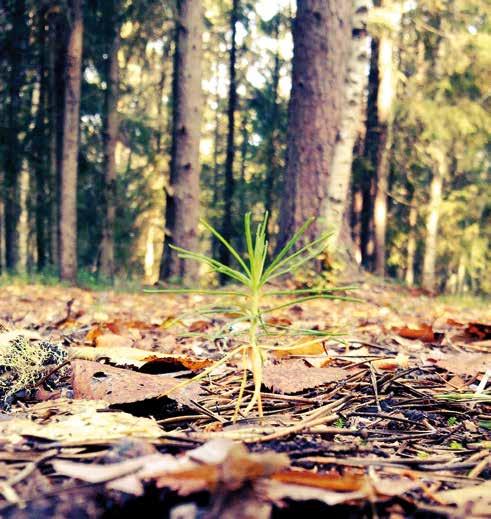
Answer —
329 481
199 326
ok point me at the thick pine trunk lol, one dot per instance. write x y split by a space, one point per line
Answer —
110 140
431 241
321 37
182 205
354 88
69 161
228 193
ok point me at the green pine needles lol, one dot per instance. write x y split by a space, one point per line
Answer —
253 302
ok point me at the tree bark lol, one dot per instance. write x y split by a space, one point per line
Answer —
53 110
69 161
182 201
370 156
228 193
110 141
411 242
13 162
385 100
355 85
431 241
321 39
272 145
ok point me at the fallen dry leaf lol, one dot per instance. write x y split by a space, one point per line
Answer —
475 499
400 361
77 421
199 326
95 381
292 376
466 363
138 358
424 333
111 340
329 481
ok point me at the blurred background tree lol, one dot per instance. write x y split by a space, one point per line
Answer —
393 156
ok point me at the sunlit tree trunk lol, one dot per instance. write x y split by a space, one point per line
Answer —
110 141
355 84
321 38
182 205
69 161
227 227
387 74
431 241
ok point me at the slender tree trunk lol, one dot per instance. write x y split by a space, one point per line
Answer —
431 242
182 206
13 163
69 162
272 145
40 162
411 244
385 100
110 141
370 156
53 152
228 193
321 38
355 85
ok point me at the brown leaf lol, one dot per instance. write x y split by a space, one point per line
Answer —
220 462
199 326
479 331
138 358
466 363
329 481
279 321
425 333
292 376
95 381
111 340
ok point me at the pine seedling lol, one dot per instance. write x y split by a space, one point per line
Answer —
253 275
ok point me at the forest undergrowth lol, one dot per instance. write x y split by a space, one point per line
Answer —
392 421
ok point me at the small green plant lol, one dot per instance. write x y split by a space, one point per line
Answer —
340 423
252 297
455 445
452 421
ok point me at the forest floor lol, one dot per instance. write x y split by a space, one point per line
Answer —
394 422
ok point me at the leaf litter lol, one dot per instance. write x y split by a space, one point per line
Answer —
396 420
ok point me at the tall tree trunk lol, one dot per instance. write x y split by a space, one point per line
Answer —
228 192
370 156
355 84
13 162
110 140
182 205
272 144
411 242
431 241
69 162
39 148
385 100
321 39
53 152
